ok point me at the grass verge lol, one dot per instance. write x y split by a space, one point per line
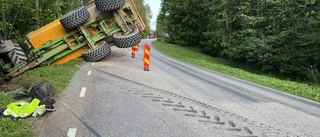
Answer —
58 76
191 55
13 128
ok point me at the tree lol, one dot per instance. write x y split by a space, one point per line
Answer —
162 19
276 36
19 18
145 13
148 13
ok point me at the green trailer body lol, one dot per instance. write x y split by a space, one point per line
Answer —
88 31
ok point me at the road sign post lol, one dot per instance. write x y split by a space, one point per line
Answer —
133 52
146 57
137 47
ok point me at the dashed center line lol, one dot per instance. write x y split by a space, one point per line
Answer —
89 73
72 132
93 64
83 92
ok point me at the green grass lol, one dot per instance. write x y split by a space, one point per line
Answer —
58 76
193 56
13 128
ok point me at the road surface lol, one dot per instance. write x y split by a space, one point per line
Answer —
116 98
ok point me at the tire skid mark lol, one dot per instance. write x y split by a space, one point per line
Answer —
156 97
234 129
134 90
231 123
239 132
248 136
142 93
204 115
166 101
248 130
191 110
230 126
216 121
174 105
212 122
249 133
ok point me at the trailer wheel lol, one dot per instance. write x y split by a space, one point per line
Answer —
108 5
75 18
1 68
97 54
17 55
127 41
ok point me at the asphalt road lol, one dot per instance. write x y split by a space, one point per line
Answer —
116 98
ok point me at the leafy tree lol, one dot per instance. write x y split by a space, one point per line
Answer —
162 19
274 36
148 13
145 13
281 37
23 16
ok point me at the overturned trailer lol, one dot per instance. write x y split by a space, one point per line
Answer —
88 31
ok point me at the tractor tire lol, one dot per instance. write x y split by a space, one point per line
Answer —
127 41
75 18
17 55
108 5
1 68
97 54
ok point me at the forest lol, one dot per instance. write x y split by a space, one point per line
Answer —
279 37
20 17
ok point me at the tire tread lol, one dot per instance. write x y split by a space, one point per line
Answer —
97 54
108 5
75 18
17 55
127 41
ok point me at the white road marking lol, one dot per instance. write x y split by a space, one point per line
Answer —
89 73
72 132
83 92
66 105
93 64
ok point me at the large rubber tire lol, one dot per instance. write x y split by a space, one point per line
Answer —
97 54
75 18
17 55
1 68
108 5
127 41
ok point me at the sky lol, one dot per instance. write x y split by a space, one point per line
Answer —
155 7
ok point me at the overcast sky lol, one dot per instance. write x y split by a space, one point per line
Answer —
155 7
